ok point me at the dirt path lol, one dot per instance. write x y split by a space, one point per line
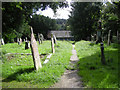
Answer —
70 79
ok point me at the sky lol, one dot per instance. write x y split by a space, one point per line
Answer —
62 13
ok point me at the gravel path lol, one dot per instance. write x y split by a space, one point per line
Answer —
70 79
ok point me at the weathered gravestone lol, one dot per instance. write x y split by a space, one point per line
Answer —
2 42
109 37
26 39
92 38
55 40
41 38
27 46
19 40
35 53
52 44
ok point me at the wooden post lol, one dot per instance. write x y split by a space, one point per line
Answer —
102 55
52 44
109 37
55 40
35 53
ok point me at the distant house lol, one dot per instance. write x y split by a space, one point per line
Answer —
61 34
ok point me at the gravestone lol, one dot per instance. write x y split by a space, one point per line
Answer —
26 39
2 42
52 44
55 40
20 40
109 37
35 53
27 46
17 40
92 38
41 38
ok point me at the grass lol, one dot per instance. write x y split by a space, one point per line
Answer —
93 73
18 70
15 48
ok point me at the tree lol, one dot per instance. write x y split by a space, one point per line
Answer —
15 13
83 19
42 24
111 18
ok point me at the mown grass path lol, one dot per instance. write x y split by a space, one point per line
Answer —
70 78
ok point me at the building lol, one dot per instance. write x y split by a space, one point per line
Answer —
61 34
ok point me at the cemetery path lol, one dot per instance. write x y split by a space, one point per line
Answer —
70 78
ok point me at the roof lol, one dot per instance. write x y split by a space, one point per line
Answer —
60 34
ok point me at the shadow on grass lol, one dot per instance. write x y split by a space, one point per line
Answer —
92 70
16 74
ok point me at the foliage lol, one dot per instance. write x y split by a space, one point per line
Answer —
93 73
17 14
110 18
42 24
18 70
61 24
83 19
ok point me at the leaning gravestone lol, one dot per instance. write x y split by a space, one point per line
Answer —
52 44
55 40
35 53
109 37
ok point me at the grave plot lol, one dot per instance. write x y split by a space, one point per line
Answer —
18 70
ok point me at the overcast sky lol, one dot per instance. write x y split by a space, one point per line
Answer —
62 13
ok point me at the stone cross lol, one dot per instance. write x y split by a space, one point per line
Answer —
109 37
35 53
55 40
52 44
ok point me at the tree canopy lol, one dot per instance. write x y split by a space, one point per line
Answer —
17 14
83 19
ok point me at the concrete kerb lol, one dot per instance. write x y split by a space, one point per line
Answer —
47 59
